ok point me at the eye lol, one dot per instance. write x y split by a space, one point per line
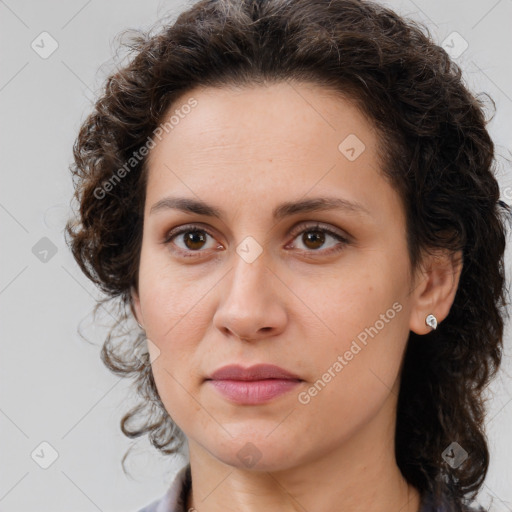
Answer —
190 239
315 236
193 238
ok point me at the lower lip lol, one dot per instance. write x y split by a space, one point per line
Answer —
254 391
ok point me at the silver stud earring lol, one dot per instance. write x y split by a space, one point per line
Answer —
431 321
140 326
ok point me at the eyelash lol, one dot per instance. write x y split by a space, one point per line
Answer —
314 227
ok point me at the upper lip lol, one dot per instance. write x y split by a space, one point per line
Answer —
256 372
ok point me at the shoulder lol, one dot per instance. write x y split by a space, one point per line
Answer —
175 498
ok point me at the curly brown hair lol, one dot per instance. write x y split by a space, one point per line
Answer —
436 152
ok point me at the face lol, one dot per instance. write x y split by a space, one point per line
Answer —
322 293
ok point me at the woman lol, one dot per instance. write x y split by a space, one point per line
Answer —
296 202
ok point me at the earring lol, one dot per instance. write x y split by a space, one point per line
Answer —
140 326
431 321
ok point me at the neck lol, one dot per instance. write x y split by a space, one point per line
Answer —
235 490
358 475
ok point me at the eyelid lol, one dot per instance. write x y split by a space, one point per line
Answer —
183 228
311 225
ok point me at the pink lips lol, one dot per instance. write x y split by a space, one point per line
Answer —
253 385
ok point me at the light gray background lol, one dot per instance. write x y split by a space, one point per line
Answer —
53 386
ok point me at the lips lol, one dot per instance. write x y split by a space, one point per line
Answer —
256 372
255 385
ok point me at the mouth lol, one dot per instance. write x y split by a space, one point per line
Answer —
254 385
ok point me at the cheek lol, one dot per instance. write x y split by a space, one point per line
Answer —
172 298
362 328
342 304
356 373
176 325
177 312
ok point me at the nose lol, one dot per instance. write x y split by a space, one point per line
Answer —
251 305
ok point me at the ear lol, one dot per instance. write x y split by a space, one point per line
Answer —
135 306
436 284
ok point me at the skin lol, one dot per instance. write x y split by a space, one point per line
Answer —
245 151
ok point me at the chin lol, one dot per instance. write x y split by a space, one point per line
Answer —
258 453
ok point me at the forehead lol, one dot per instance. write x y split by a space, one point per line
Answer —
258 142
288 113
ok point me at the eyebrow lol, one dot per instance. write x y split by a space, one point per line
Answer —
317 204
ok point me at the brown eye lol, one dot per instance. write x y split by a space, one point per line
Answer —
188 240
194 240
313 239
